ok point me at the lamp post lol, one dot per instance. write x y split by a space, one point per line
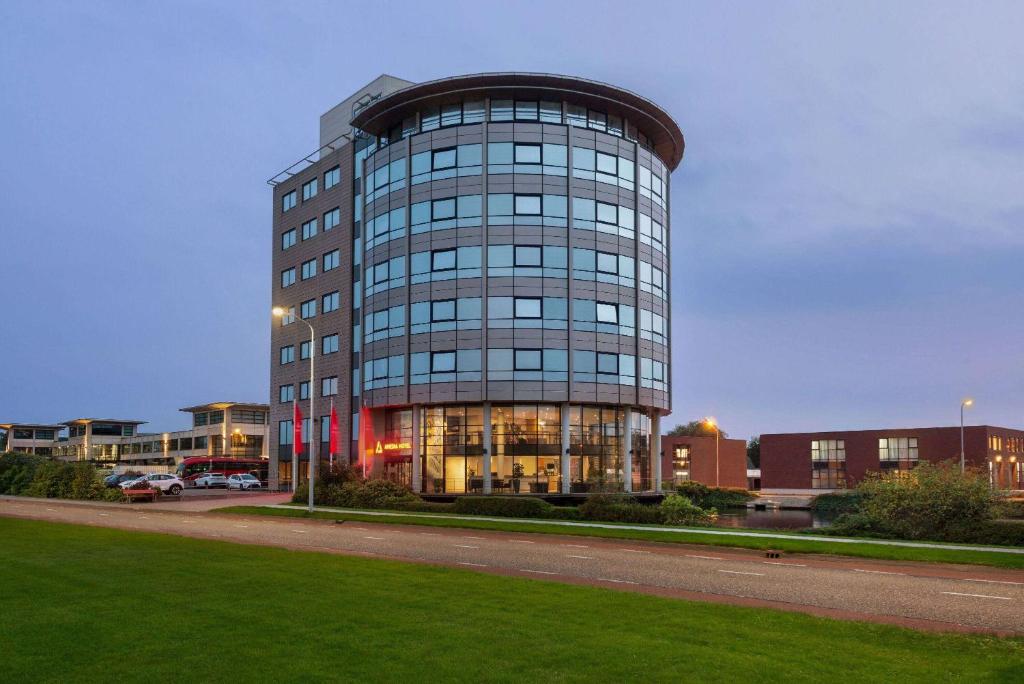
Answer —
280 312
710 422
963 404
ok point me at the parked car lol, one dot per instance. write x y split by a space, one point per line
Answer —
207 480
244 481
116 479
169 484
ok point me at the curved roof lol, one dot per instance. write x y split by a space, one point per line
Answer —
664 133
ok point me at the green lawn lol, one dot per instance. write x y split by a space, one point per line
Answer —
93 604
899 553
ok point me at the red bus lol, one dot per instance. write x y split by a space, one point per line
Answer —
194 466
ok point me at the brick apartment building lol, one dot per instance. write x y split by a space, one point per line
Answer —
694 459
840 459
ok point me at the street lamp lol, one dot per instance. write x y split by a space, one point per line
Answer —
711 423
281 312
967 402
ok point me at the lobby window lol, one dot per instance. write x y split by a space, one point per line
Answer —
288 201
286 393
287 354
308 309
332 218
329 344
828 464
309 189
331 302
289 238
329 386
309 229
308 269
897 453
304 350
287 277
332 177
331 260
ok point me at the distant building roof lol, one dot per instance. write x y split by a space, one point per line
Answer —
221 405
83 421
45 426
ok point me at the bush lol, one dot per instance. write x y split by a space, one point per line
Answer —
17 471
356 494
420 506
619 508
935 502
679 510
504 506
838 503
714 497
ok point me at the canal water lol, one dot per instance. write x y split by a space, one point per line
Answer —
772 520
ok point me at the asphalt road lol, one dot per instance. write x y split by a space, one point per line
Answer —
919 595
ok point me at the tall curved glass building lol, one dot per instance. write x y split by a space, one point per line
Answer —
485 262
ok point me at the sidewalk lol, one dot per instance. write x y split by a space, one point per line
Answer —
667 529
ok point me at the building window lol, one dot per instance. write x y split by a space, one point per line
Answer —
329 386
308 269
604 267
607 317
445 314
304 390
526 158
526 261
332 218
309 229
288 201
331 260
828 464
385 323
384 372
527 312
308 309
287 354
331 302
604 367
332 177
653 280
288 238
464 160
463 211
527 364
329 344
309 190
286 393
385 275
653 374
304 350
897 453
595 447
680 464
445 264
528 210
652 327
287 277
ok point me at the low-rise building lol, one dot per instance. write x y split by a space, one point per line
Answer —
818 461
694 458
30 438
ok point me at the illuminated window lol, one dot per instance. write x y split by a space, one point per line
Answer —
828 464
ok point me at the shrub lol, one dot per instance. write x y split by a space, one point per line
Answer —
356 494
17 471
679 510
935 502
420 506
837 503
504 506
714 497
52 480
619 508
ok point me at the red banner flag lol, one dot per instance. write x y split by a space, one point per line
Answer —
334 430
297 438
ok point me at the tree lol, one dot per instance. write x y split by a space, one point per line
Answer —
754 452
696 428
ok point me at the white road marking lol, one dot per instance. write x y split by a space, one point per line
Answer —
474 537
737 572
475 565
105 515
690 555
541 572
431 534
361 529
636 550
241 526
466 546
520 541
792 565
991 581
879 572
957 593
299 531
577 546
52 509
144 517
617 581
583 557
377 538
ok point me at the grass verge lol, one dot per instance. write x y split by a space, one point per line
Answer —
93 604
895 553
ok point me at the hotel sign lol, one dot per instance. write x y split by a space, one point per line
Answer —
392 446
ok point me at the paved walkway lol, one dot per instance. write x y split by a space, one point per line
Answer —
929 596
711 531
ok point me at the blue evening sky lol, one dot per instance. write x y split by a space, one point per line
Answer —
848 221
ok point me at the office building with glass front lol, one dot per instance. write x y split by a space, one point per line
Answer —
484 260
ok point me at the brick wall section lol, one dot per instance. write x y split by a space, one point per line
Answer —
786 458
732 460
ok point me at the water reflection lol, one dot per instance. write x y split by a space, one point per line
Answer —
772 520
